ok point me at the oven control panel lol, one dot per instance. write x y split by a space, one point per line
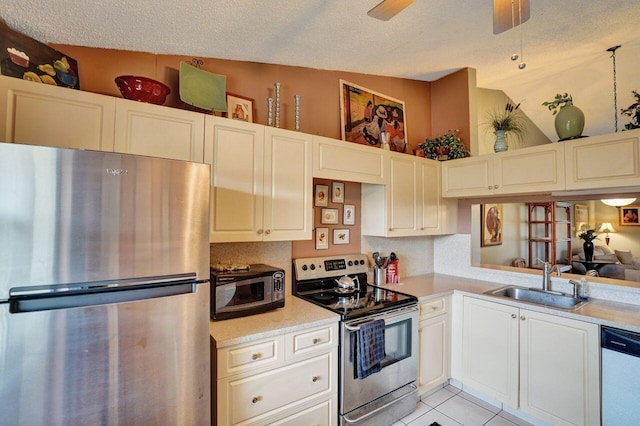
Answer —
323 267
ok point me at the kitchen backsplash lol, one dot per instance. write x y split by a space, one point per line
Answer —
415 253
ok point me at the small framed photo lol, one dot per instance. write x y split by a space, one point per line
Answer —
349 214
239 108
322 238
329 217
337 192
322 195
629 215
340 236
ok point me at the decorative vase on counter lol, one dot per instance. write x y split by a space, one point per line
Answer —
501 141
588 251
569 122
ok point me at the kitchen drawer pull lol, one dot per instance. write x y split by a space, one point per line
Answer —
434 308
259 231
316 341
256 356
522 317
267 232
513 315
256 399
315 379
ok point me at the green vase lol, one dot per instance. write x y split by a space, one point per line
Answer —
501 141
569 122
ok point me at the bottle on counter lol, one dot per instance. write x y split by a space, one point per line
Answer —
583 290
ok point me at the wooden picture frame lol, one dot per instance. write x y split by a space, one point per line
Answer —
329 217
322 238
340 236
239 108
322 196
365 113
349 214
580 218
337 192
629 215
491 226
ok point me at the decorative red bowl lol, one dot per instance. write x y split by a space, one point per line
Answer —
142 89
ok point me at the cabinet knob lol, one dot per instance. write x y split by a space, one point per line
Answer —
316 341
255 356
522 317
489 187
433 308
315 379
513 315
495 186
259 231
256 399
267 232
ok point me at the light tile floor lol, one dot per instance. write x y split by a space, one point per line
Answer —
451 406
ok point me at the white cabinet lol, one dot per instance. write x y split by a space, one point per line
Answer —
607 161
538 169
158 131
546 365
410 203
340 160
434 343
261 184
40 114
287 379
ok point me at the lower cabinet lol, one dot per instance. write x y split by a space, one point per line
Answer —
434 343
288 379
546 365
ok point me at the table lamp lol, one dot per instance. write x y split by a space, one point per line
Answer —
606 228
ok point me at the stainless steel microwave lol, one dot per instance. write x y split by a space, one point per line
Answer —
241 293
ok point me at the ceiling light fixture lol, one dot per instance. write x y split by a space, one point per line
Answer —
618 202
615 89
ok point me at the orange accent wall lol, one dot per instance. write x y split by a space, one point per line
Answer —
320 91
450 100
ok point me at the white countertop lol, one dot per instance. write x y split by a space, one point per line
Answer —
299 314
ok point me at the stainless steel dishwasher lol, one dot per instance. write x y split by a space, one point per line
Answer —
620 377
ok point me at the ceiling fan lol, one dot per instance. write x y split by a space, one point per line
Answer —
506 13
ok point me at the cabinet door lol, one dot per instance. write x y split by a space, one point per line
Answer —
39 114
287 185
340 160
433 364
490 349
431 218
402 195
530 170
607 161
559 373
465 177
159 131
235 151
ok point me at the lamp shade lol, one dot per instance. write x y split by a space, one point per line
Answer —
606 228
618 202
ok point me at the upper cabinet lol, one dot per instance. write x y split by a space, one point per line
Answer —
158 131
261 185
339 160
606 161
39 114
410 203
537 169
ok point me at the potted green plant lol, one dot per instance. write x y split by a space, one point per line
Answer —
588 236
569 121
445 147
633 111
505 122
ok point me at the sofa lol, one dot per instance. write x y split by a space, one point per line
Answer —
625 260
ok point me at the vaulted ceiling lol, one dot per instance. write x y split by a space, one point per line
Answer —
564 44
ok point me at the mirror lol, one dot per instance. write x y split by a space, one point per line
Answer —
491 247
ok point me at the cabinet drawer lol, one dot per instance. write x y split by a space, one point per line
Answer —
435 307
237 359
320 414
262 393
305 341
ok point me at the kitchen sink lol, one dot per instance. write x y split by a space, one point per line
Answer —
538 297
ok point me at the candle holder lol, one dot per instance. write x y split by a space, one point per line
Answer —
297 112
278 105
269 111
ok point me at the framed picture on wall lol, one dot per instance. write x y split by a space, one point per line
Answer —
329 217
340 236
349 214
491 226
629 215
580 218
322 195
337 192
322 238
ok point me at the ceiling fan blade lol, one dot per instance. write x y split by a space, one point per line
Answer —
506 14
387 9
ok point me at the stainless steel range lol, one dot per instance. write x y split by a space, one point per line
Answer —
370 393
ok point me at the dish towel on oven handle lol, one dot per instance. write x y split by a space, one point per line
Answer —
369 348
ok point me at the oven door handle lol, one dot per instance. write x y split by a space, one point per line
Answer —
386 319
377 410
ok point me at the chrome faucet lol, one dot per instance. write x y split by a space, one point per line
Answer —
547 270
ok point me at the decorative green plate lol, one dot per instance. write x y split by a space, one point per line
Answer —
203 89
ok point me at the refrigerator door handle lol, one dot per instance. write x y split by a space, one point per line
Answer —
34 304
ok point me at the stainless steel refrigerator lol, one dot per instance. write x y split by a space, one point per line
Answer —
104 288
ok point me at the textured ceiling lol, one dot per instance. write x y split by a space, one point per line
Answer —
564 42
